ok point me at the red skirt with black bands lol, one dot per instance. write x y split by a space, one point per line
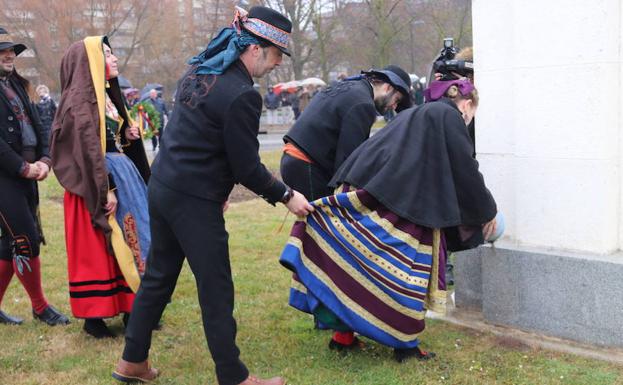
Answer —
97 288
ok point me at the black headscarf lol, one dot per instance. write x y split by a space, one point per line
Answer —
420 166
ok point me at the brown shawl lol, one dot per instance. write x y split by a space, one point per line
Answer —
76 143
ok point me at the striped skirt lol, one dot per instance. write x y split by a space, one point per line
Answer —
376 272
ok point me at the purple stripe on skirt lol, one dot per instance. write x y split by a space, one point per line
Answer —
416 231
358 293
379 277
369 236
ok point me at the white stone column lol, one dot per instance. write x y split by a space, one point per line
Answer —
548 127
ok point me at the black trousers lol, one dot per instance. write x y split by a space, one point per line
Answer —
183 226
308 179
18 218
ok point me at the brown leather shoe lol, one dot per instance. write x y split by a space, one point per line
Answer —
134 372
256 381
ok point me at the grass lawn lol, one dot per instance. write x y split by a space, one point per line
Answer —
274 338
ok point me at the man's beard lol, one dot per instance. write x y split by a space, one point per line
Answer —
382 103
4 73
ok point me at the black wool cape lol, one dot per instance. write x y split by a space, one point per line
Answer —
420 166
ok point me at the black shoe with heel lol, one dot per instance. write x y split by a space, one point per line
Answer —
51 316
97 328
9 320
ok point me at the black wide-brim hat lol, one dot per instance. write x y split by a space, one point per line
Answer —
270 26
399 79
6 42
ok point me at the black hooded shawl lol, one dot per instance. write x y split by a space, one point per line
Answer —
420 166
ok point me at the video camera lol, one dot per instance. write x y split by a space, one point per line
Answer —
447 66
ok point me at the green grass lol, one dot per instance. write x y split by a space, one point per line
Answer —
274 338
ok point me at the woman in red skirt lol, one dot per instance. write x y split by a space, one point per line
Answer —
96 154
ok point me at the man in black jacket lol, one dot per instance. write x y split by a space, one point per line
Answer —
161 108
209 145
335 123
271 102
24 160
46 107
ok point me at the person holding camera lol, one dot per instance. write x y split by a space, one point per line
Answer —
454 63
370 259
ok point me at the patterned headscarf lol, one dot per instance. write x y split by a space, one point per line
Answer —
227 46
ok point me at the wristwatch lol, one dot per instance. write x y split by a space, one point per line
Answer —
287 196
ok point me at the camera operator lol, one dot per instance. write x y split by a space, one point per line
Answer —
467 55
452 64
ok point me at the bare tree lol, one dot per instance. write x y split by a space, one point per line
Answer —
301 14
389 19
49 27
325 22
154 38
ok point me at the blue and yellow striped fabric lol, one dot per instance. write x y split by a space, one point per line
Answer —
378 273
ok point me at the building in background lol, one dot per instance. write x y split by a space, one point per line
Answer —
151 38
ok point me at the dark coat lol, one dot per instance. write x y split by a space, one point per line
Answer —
47 110
272 101
160 107
293 98
335 122
11 133
211 143
421 168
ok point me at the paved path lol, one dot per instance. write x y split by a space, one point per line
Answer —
268 142
272 141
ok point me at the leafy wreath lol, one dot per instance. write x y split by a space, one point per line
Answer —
145 114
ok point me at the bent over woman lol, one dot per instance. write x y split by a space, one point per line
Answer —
370 259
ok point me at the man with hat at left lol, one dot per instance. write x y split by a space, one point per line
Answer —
24 160
209 145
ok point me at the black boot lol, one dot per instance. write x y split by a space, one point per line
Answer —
9 320
97 328
402 354
51 316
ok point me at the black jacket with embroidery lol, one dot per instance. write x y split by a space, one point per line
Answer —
211 143
11 161
335 123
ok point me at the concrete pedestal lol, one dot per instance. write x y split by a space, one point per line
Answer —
569 296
